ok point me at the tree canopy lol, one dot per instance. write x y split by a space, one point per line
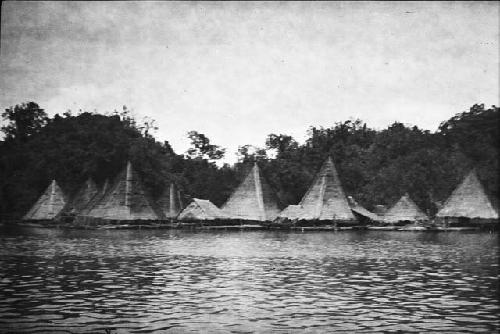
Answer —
25 120
202 149
375 166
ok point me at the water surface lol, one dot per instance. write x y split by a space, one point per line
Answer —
232 282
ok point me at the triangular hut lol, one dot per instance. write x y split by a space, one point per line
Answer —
252 200
94 200
201 210
170 202
405 210
81 199
469 201
48 205
324 201
125 200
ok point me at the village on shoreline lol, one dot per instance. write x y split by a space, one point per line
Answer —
125 203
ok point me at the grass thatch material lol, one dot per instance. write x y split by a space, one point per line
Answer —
469 200
81 199
405 210
84 212
50 203
252 200
170 202
324 200
201 209
126 200
291 212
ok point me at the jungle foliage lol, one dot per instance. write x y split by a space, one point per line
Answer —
375 166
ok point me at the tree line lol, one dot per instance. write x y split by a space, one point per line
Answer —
375 166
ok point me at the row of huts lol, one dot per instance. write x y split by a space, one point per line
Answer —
324 205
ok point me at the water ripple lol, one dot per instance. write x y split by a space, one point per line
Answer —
179 282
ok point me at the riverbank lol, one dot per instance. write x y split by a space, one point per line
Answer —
139 225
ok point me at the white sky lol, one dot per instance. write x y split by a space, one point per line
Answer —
239 71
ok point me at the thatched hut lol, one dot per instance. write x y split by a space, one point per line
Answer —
50 203
80 200
170 202
84 212
468 203
126 200
324 202
405 211
201 210
253 200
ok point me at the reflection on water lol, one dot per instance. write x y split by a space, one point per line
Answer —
172 281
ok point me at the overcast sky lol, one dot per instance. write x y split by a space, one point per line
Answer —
239 71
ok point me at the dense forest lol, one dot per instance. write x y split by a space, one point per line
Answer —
375 167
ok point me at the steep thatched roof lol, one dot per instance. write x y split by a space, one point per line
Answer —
201 209
81 199
252 200
50 203
469 200
325 199
95 200
358 209
404 210
170 202
126 200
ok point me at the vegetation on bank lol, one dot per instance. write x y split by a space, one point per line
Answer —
375 166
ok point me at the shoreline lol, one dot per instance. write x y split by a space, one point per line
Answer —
247 227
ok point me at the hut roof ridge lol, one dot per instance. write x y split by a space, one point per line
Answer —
470 200
49 204
405 209
325 198
253 199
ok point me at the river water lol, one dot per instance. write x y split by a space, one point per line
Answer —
73 281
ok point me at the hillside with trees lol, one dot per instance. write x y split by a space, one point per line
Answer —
375 166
